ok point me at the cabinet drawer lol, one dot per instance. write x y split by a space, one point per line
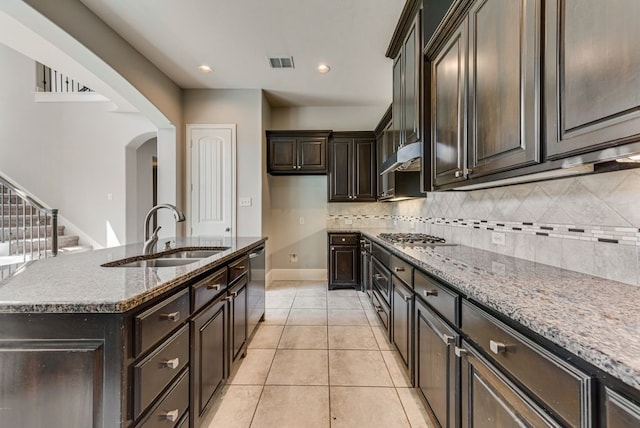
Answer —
344 239
206 290
402 270
154 373
173 405
381 279
562 387
381 254
437 296
381 309
158 321
184 422
238 268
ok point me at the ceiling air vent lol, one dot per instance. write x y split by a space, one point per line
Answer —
281 62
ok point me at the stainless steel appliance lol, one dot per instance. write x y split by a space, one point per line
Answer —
256 287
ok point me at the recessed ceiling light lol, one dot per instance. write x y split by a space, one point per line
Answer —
323 68
205 68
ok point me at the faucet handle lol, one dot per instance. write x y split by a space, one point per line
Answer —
167 245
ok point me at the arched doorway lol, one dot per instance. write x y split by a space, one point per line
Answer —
141 156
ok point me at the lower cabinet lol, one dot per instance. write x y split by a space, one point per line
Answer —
619 412
344 261
437 369
489 399
238 299
402 315
209 362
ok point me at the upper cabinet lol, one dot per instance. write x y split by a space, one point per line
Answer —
406 51
297 152
485 92
592 75
352 167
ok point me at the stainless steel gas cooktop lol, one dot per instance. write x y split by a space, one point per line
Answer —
413 239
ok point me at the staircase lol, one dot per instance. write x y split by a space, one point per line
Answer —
29 230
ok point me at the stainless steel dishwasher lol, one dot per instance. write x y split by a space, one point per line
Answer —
256 288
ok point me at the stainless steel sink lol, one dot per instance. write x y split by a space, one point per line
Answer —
155 263
193 254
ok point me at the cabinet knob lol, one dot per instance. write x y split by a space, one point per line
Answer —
171 415
173 316
333 248
498 347
458 174
343 239
172 363
460 352
294 167
428 293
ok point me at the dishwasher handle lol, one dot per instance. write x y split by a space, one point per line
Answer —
257 253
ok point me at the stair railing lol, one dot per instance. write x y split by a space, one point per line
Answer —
18 231
50 80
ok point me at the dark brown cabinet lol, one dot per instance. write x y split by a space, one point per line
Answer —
485 93
344 260
238 313
489 399
209 360
448 108
297 152
401 325
436 366
592 75
618 411
503 123
352 167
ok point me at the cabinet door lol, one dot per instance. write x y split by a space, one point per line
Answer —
411 80
436 366
592 75
282 154
448 95
396 106
503 85
364 171
340 170
401 313
312 155
489 399
344 266
619 412
238 317
208 361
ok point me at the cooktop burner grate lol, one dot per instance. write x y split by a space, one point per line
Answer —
412 238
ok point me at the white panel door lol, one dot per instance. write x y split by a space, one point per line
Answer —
212 165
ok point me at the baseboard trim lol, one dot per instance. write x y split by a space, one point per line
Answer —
297 275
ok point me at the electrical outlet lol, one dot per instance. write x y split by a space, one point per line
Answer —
498 238
348 221
245 202
109 196
293 258
498 268
301 220
412 226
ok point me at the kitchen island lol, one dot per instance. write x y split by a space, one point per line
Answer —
572 325
86 345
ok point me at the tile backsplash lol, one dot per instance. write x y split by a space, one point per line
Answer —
589 224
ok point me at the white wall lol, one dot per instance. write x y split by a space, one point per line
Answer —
242 107
144 184
69 155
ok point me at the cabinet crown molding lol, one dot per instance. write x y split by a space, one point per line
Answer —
405 22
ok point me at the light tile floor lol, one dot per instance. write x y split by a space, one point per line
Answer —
320 359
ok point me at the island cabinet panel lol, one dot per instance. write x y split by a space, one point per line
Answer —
56 383
619 412
402 327
592 75
503 85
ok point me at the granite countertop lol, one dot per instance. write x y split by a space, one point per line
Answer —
77 283
594 318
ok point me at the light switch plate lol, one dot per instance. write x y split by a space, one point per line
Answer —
245 202
348 221
498 238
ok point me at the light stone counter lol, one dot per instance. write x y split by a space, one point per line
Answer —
594 318
77 283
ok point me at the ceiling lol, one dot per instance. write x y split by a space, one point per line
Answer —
235 37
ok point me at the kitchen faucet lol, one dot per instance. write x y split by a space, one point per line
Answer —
151 241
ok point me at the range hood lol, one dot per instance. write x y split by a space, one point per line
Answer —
407 158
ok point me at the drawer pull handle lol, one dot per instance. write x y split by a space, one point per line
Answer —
399 269
173 316
428 293
172 363
234 294
378 308
449 340
460 352
229 298
171 415
239 267
378 276
407 298
498 347
214 287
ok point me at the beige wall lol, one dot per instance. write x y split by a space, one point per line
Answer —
356 118
242 107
